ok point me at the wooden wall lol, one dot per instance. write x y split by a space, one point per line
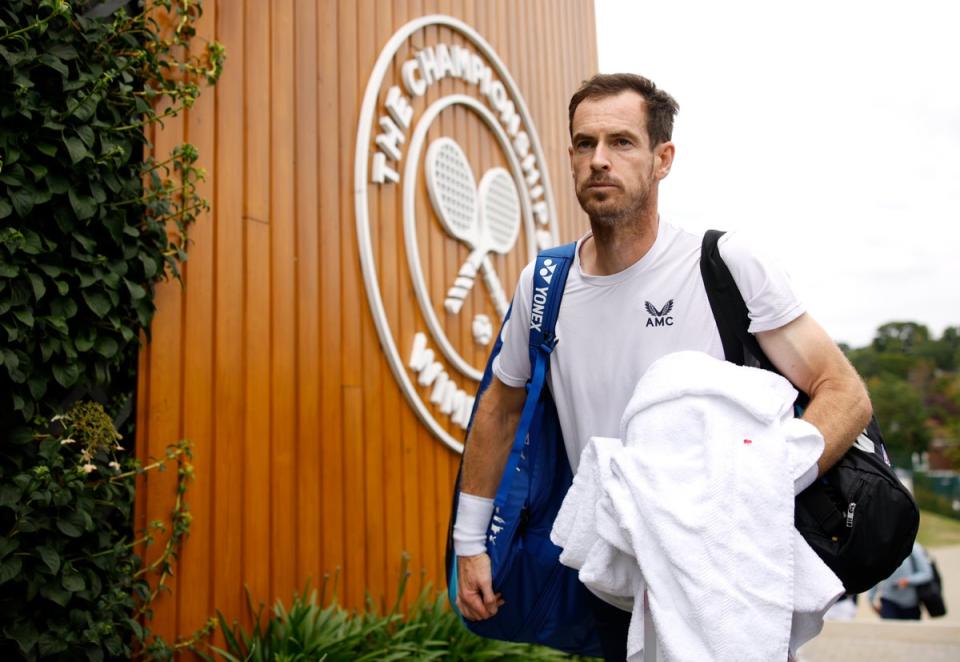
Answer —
309 459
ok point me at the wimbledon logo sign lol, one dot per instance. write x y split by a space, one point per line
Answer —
441 110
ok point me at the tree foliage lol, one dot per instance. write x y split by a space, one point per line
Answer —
914 384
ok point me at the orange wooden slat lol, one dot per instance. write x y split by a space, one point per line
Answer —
331 475
256 190
353 310
309 427
392 400
283 317
371 432
163 415
227 550
195 605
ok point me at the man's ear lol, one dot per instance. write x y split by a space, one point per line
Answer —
663 153
570 154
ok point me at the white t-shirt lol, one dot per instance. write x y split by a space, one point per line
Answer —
611 328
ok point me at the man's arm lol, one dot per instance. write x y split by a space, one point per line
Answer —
839 405
485 455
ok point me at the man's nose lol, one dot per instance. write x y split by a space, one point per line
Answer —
600 161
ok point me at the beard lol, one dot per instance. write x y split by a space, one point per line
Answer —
613 209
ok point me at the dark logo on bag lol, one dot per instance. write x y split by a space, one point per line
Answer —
659 317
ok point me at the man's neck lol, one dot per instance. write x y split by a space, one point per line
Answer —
615 247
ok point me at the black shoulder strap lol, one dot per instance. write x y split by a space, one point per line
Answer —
729 309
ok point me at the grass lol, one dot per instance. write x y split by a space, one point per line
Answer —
937 530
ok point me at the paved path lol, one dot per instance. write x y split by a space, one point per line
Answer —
867 638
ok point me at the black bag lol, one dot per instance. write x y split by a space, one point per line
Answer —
858 517
930 594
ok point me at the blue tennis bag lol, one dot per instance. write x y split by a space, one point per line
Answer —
544 602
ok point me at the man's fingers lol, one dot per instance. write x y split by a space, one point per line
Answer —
491 600
475 597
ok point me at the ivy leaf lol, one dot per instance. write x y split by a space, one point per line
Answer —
69 528
55 594
54 64
38 386
84 206
5 207
22 200
51 270
10 568
97 302
73 582
25 634
25 315
87 108
136 292
107 347
38 170
46 148
62 51
149 265
9 495
51 644
8 545
64 307
66 376
85 339
86 135
76 149
39 289
50 557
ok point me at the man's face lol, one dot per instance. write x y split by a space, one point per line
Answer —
614 168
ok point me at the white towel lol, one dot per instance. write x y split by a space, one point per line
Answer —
696 506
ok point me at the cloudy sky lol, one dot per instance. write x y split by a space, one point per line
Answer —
830 131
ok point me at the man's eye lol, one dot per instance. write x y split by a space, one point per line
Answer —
623 142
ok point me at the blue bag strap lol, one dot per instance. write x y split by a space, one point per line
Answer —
549 278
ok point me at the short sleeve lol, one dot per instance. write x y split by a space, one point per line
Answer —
512 364
771 299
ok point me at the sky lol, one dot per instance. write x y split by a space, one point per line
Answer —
827 131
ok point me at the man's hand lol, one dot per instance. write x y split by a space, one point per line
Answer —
475 597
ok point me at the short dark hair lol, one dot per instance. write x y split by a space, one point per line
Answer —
661 107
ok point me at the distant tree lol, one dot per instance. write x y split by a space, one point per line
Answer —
870 362
900 337
943 397
902 415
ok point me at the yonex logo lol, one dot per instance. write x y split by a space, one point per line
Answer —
546 272
659 317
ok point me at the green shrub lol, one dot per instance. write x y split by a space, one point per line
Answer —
429 630
71 584
88 226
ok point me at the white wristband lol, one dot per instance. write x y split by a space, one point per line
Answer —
470 530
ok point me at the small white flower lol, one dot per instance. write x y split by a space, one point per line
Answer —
68 441
118 447
88 467
115 465
85 454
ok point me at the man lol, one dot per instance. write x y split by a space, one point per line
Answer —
630 262
896 596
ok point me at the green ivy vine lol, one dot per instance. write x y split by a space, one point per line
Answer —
90 221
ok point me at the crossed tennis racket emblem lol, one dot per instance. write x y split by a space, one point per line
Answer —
485 218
